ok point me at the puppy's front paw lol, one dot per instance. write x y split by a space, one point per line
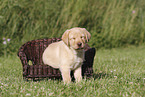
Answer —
78 74
78 79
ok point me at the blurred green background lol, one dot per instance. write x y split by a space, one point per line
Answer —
112 23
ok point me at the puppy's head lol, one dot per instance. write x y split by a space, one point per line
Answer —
76 37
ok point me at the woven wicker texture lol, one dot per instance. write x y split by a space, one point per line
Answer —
33 50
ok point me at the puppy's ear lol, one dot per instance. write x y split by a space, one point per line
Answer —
87 34
65 37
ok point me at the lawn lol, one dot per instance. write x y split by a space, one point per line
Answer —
117 72
114 24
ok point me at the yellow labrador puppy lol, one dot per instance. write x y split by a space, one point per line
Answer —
68 54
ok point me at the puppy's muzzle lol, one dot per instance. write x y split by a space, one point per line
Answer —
79 44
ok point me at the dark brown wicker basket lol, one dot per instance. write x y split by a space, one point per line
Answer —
33 50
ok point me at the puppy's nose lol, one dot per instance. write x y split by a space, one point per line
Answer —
79 44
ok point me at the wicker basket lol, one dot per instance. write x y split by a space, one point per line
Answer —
33 50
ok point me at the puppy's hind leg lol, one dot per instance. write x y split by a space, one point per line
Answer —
65 72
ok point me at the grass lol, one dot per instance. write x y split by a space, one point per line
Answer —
111 23
117 72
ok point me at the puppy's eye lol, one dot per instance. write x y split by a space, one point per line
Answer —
73 38
82 36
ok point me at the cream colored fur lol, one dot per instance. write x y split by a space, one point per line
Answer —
68 54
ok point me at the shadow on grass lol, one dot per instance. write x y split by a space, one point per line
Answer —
100 75
95 76
41 79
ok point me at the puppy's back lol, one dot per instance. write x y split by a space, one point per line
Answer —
51 55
